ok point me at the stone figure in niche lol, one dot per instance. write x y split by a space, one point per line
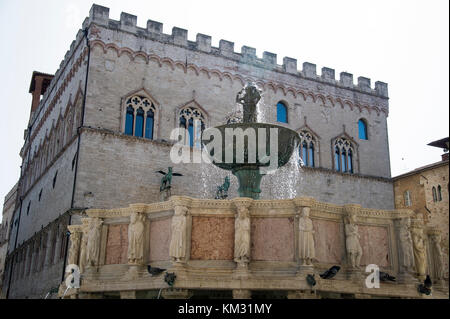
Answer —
177 249
437 256
136 238
74 247
83 248
407 256
420 258
354 250
307 250
242 236
93 241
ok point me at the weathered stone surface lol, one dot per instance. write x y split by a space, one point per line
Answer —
117 244
328 239
375 245
272 239
212 238
160 233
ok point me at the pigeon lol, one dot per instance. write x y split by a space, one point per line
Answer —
311 280
384 276
428 283
154 271
425 288
330 273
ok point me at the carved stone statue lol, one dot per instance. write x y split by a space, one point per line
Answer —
93 241
83 247
242 236
307 250
406 247
75 241
177 249
249 97
136 239
420 258
437 256
354 250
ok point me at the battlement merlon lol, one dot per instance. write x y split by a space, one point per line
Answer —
154 30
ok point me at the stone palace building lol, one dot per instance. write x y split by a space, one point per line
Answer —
100 127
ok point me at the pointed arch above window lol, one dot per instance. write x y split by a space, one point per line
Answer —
140 114
193 119
345 154
307 148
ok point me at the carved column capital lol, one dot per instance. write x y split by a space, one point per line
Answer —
242 203
304 202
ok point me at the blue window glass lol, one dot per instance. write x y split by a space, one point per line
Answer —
350 161
149 124
191 132
304 153
281 113
337 159
311 155
129 119
362 128
344 161
139 123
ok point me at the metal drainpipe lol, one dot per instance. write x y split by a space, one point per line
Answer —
19 189
85 31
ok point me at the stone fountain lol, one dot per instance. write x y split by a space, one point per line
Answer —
267 146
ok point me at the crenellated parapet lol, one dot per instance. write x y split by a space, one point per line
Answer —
99 15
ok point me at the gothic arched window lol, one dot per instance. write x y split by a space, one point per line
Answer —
140 117
407 197
193 121
306 149
439 193
362 129
343 155
282 115
433 190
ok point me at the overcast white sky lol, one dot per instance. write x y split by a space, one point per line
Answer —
403 43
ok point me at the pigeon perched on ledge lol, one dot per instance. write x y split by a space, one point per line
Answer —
154 271
425 288
384 276
330 273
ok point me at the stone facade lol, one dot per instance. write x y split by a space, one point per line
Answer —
433 209
76 155
5 227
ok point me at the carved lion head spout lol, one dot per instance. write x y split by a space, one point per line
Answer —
249 96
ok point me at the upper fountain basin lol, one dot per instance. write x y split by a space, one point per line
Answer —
253 155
